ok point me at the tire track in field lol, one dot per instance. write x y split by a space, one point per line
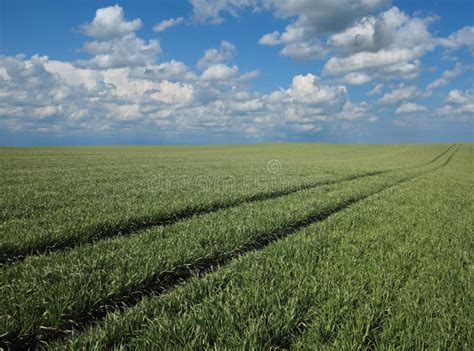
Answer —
441 154
105 231
377 325
10 255
158 285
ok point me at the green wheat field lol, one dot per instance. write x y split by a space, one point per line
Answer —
278 246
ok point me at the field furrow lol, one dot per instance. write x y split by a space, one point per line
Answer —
45 296
20 250
74 230
337 284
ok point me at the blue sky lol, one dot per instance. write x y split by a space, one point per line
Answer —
235 71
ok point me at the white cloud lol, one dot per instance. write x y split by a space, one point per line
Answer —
174 93
304 51
247 106
458 97
4 74
390 28
249 75
123 52
437 83
72 74
463 37
314 19
458 106
305 90
127 112
325 16
166 24
357 78
355 39
43 112
35 96
210 10
367 60
458 69
320 16
403 70
400 94
390 39
172 70
58 98
122 87
219 72
376 90
272 38
352 111
387 45
300 37
118 46
410 107
298 50
225 53
372 119
109 23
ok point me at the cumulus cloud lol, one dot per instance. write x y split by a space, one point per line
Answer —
272 38
166 24
178 94
305 89
123 52
410 107
447 75
225 53
304 51
57 97
402 70
314 19
390 39
357 78
458 105
399 94
463 37
300 38
211 10
117 45
4 74
73 75
122 87
363 40
352 111
458 97
37 99
311 16
392 28
299 50
387 45
326 16
376 90
437 83
219 72
109 23
366 60
172 71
